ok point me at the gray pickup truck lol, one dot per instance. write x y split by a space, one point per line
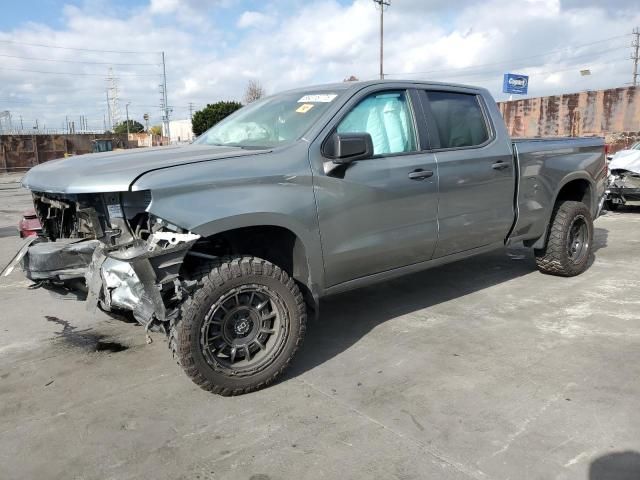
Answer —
227 244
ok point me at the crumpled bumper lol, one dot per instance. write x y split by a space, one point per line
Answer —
136 276
58 261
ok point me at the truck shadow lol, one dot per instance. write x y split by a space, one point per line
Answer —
616 466
600 238
346 318
625 209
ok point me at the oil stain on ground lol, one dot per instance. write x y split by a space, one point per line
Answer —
84 339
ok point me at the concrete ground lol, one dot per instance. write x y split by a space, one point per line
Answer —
483 369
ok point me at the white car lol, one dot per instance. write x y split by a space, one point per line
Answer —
624 177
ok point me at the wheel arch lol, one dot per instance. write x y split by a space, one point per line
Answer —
577 186
272 237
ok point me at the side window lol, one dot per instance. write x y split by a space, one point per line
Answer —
386 116
459 119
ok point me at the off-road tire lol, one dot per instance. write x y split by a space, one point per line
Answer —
214 281
555 259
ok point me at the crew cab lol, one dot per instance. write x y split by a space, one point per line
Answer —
227 244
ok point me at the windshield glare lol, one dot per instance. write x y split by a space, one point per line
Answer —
273 121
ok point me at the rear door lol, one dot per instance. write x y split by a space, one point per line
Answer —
476 174
380 213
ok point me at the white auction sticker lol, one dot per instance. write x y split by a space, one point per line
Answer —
318 98
115 211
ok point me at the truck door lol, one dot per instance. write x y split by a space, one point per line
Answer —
475 172
380 213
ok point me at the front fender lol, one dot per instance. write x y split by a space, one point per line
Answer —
214 197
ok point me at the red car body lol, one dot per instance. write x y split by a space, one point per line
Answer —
29 226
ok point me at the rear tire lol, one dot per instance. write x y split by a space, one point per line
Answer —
242 326
570 241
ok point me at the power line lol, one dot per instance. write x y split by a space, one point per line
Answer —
512 61
79 49
550 72
78 61
37 103
550 52
81 73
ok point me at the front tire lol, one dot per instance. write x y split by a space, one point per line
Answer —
241 328
570 241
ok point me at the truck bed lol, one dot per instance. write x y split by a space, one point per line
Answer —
544 166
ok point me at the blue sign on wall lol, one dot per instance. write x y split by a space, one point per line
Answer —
514 83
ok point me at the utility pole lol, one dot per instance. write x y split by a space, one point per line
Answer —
109 113
636 55
127 109
191 110
382 4
165 99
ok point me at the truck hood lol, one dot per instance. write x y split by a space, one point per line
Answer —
116 171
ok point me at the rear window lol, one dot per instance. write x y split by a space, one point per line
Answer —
459 119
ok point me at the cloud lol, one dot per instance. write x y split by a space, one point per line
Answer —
164 6
251 19
214 48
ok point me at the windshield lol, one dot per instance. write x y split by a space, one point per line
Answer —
271 122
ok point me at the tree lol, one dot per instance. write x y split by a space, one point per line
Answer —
204 119
156 130
134 127
351 78
253 92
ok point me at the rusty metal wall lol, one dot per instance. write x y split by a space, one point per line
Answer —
21 152
613 113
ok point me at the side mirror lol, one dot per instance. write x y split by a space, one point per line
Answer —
345 148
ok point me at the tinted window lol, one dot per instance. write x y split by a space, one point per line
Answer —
386 117
459 119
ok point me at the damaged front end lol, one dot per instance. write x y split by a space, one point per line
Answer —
624 186
142 276
109 250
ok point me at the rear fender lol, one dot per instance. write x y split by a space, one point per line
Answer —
592 203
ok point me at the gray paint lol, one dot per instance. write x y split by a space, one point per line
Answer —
545 167
115 171
476 205
371 224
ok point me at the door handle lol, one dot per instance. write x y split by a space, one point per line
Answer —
420 174
500 165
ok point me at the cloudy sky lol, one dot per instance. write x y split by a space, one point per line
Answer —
55 55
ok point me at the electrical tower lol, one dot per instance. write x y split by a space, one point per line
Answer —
383 4
636 57
113 99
